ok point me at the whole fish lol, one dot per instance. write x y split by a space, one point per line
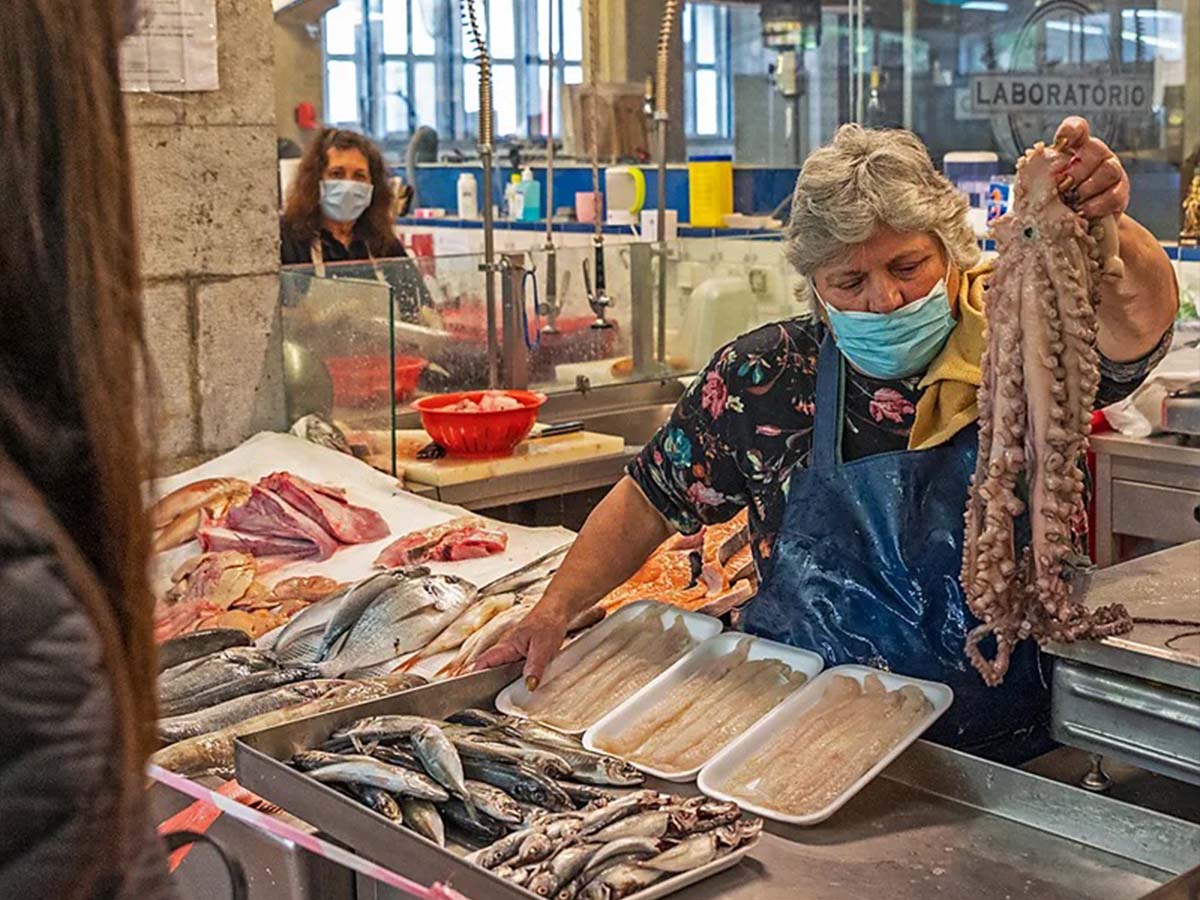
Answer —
352 605
307 760
212 754
528 574
422 817
629 805
623 849
494 802
225 665
519 782
583 794
561 868
179 728
469 621
380 801
472 824
375 728
315 616
534 848
400 620
621 880
370 771
476 718
205 642
690 853
431 746
583 765
499 852
542 761
248 684
653 823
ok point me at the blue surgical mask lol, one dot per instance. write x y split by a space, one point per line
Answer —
895 344
345 201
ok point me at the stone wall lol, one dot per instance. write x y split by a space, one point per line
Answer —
205 182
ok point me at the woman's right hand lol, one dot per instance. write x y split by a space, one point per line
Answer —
536 639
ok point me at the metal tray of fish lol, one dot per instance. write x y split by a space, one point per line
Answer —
620 719
263 767
514 699
713 775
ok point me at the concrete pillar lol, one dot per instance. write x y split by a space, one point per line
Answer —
628 44
205 182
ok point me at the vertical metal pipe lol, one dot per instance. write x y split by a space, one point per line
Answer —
550 285
484 61
910 25
661 117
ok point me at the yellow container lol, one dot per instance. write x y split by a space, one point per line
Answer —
710 190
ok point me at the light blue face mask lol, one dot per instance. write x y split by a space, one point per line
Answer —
345 201
895 344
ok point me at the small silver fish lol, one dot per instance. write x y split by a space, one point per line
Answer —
440 759
619 881
224 665
238 709
422 817
369 771
690 853
380 801
494 802
648 824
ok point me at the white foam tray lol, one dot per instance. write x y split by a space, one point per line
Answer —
940 697
618 720
514 698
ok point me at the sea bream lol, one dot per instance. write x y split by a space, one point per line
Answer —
401 619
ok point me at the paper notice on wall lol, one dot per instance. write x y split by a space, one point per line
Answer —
175 49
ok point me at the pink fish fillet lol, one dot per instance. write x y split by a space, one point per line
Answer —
467 537
328 507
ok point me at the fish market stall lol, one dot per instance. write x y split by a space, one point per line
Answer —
935 822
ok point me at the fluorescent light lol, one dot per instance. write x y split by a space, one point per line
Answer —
1150 14
986 6
1149 41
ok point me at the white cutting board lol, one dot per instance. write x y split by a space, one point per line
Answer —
528 456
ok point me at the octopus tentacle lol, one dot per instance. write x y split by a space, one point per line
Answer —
1040 376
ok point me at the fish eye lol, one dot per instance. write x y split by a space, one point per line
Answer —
1029 232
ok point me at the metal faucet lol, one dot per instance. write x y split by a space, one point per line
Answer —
598 298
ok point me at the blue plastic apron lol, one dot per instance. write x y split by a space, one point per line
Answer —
865 569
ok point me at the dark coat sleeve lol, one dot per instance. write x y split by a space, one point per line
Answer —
57 743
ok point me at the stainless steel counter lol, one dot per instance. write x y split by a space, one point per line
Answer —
1136 697
1145 488
935 823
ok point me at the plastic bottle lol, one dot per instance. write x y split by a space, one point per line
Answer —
468 196
531 197
512 197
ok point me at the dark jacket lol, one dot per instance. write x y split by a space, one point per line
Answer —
57 736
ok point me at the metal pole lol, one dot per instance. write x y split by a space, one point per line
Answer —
661 117
910 25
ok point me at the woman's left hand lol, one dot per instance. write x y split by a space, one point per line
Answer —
1094 172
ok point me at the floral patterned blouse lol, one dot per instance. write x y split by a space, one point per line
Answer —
748 419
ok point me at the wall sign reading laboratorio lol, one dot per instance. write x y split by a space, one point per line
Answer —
1010 92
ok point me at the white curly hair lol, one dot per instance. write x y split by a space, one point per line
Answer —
865 178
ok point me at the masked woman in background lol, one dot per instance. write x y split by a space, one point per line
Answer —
339 210
77 666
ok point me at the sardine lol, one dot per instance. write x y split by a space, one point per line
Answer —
690 853
623 849
542 761
380 801
375 728
647 824
351 606
561 868
519 782
179 728
619 881
422 817
585 766
195 675
528 574
192 646
472 824
431 746
307 760
501 851
476 718
536 847
494 802
370 771
629 805
401 619
249 684
583 794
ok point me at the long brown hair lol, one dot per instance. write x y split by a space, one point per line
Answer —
302 213
71 346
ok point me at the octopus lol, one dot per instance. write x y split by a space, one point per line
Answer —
1040 373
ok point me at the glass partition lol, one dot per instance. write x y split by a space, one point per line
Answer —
338 355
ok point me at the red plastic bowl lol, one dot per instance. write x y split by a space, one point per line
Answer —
478 433
363 380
